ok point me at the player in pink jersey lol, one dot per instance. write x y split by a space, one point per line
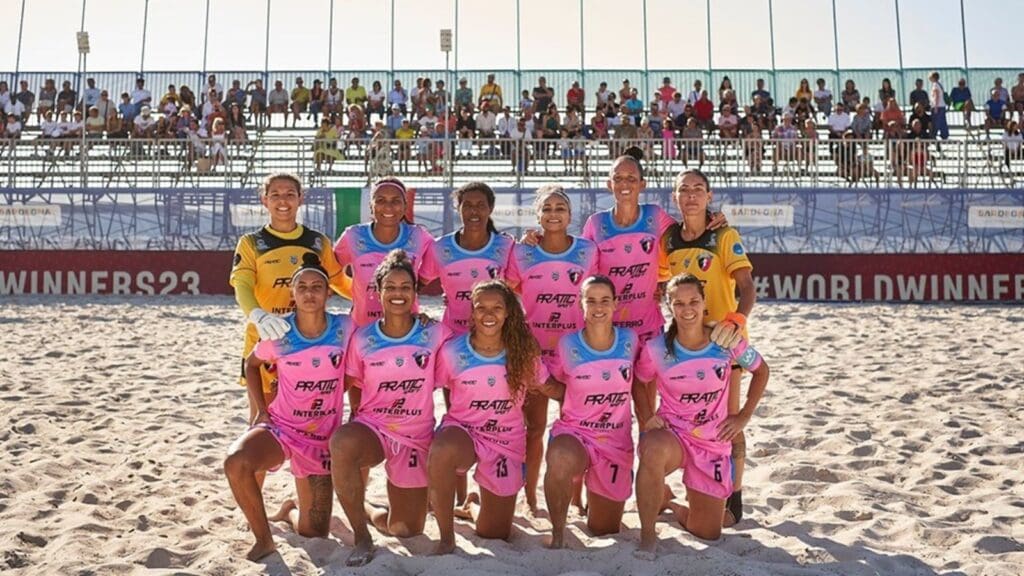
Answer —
592 375
299 421
475 253
485 374
362 247
547 277
390 373
692 429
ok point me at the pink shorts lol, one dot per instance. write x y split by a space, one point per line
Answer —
405 465
307 458
606 475
706 471
499 473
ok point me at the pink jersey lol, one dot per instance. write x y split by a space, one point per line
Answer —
629 256
460 269
694 386
549 285
310 378
396 377
480 399
359 249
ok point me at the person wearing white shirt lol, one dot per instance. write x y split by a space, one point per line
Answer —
90 95
13 128
521 131
823 99
15 107
5 95
694 95
838 122
140 96
212 84
49 127
676 107
937 98
144 124
485 123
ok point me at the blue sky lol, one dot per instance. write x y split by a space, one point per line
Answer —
612 34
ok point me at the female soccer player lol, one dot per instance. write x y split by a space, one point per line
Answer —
363 246
485 374
474 253
264 262
718 259
692 429
547 276
390 374
297 424
592 375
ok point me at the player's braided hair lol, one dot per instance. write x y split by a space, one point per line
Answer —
670 288
521 348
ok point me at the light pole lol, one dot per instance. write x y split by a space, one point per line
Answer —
446 47
83 53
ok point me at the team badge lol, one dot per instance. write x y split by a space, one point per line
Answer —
628 248
737 249
704 262
650 221
686 263
720 371
575 355
463 360
575 275
399 361
261 244
494 272
700 374
421 358
606 375
361 245
626 371
335 358
317 245
555 276
474 272
646 244
316 362
491 381
446 252
238 259
294 260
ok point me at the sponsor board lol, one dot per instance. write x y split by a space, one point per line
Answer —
995 216
33 215
774 215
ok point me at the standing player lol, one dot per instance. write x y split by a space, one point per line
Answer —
472 254
718 259
263 266
390 376
547 276
364 246
298 423
593 377
692 429
485 374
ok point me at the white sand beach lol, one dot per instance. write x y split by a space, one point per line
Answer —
890 442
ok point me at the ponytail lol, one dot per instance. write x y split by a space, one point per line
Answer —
670 288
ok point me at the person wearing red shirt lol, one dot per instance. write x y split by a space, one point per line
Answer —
575 96
704 111
666 91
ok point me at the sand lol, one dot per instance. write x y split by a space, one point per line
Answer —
889 443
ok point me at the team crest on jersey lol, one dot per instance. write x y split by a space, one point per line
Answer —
446 253
399 361
371 341
650 221
686 263
626 371
361 245
317 245
606 375
700 374
575 355
463 360
629 348
335 358
555 276
494 272
720 371
238 259
491 381
261 244
474 272
316 362
575 275
628 248
737 249
704 262
294 260
646 244
424 337
421 357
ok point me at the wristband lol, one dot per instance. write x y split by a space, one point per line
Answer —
736 318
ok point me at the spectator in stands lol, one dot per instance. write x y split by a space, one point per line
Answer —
995 111
645 134
209 106
862 123
677 106
728 99
727 85
414 95
804 90
67 97
625 136
325 144
486 123
334 99
543 95
693 141
747 122
466 129
761 93
357 127
704 112
728 123
550 129
634 107
404 135
428 119
520 134
236 124
277 103
141 96
73 130
886 93
959 96
47 98
611 112
575 97
525 102
803 111
918 149
666 92
790 107
300 99
601 95
316 101
49 129
106 106
170 102
572 125
625 92
753 146
144 126
784 137
90 95
355 94
15 107
937 99
5 99
440 99
599 125
823 98
1017 96
656 116
463 95
920 113
764 112
896 149
398 97
918 94
376 101
997 85
850 96
12 130
490 93
212 84
27 99
394 121
694 95
218 143
257 101
1012 141
127 111
235 95
188 97
893 114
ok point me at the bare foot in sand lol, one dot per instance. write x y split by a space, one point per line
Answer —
647 549
362 554
443 548
554 542
283 515
261 550
680 512
465 511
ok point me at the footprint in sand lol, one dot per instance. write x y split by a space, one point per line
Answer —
998 545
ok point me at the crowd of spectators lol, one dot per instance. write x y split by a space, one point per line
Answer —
556 126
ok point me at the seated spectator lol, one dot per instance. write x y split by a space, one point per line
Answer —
396 97
405 135
599 126
1012 141
728 99
838 122
27 99
543 95
394 121
918 94
886 93
257 101
635 107
525 102
188 98
466 129
892 113
677 106
300 99
753 147
170 102
334 99
357 125
15 107
506 123
73 130
355 94
277 102
375 101
704 111
803 111
919 157
66 98
809 132
185 123
5 96
747 122
611 112
850 96
47 98
550 128
127 110
490 94
463 95
625 136
1017 96
666 92
316 101
519 136
378 154
728 123
141 96
693 141
218 143
995 110
236 124
425 150
235 95
896 149
48 128
602 95
90 94
12 131
575 97
144 126
212 84
763 112
761 93
210 105
646 136
486 122
727 85
694 95
862 123
573 123
790 107
428 119
959 95
804 90
1004 95
920 113
784 137
656 116
823 98
440 99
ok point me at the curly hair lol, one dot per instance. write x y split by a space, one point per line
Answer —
547 191
521 348
670 288
397 259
